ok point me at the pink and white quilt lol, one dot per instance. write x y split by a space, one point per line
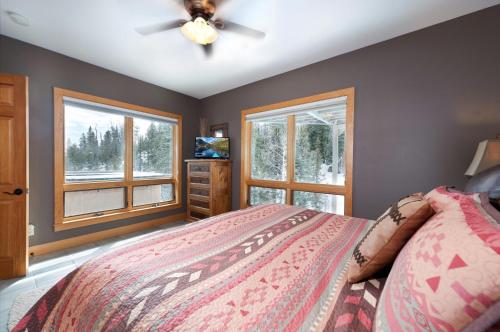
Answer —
267 268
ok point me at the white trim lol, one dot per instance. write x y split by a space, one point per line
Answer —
321 105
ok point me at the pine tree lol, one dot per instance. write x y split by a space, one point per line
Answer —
116 148
71 151
82 151
106 153
92 150
152 151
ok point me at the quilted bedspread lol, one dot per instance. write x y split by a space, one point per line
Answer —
267 268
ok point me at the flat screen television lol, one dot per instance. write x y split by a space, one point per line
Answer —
211 148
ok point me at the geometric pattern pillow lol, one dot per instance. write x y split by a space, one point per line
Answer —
381 244
447 277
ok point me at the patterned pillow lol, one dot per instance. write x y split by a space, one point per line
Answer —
448 274
380 246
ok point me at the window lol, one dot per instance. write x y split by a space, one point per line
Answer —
318 201
113 160
319 147
153 148
95 145
268 157
260 196
300 152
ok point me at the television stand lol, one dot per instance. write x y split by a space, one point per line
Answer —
208 187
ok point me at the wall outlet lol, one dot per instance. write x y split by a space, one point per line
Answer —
31 230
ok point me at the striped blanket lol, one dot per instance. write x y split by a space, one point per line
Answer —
266 268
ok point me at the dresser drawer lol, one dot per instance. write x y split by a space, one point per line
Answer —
199 179
201 210
197 216
199 167
199 197
208 188
194 202
199 191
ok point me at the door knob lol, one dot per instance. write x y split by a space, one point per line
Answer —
16 192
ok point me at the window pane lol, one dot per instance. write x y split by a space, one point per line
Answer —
94 145
321 202
319 146
268 154
92 201
259 196
144 195
153 148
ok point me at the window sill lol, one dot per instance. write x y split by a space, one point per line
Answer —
93 220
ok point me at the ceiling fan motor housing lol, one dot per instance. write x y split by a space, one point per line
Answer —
200 8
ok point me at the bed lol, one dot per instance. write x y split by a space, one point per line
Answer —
267 268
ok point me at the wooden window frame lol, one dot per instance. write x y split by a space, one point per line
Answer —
60 187
289 184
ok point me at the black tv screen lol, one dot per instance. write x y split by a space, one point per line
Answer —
212 148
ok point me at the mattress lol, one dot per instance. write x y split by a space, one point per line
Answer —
266 268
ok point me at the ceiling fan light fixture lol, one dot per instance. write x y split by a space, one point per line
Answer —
200 31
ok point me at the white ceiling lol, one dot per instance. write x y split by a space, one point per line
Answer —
299 32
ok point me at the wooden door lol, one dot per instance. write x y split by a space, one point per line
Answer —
13 175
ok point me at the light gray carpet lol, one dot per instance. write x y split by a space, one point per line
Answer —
23 303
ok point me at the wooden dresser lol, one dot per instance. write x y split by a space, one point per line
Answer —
208 187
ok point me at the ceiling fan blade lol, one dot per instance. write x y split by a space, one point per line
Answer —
159 27
238 28
208 50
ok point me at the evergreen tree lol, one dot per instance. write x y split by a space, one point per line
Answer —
72 152
92 150
152 151
82 152
269 150
116 148
106 151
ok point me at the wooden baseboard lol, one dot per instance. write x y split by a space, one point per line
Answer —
102 235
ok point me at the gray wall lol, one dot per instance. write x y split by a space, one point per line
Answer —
46 70
423 102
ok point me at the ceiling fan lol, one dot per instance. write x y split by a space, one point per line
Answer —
201 29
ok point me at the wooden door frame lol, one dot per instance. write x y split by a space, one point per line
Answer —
289 184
